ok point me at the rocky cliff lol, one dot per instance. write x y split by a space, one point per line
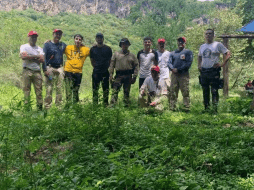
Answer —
120 8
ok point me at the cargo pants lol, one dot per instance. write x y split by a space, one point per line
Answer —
29 77
180 81
57 75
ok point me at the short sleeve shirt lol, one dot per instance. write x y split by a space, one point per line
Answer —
159 87
101 56
163 59
146 61
36 50
210 53
75 58
54 54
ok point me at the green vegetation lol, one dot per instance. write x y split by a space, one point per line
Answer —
87 147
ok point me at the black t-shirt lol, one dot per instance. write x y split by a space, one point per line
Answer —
101 56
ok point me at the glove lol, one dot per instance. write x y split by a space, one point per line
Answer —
133 80
153 104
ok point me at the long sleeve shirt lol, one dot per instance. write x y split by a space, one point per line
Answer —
123 62
181 60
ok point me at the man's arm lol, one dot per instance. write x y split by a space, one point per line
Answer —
199 62
112 67
26 56
156 58
226 57
187 63
92 62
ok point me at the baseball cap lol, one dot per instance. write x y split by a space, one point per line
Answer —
161 40
155 68
99 35
183 38
31 33
57 30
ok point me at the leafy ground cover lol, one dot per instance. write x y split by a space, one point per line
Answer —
87 147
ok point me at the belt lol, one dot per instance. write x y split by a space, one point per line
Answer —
210 69
54 67
126 72
30 69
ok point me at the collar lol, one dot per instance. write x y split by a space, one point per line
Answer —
121 51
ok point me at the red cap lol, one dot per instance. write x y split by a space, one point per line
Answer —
155 68
31 33
57 30
184 39
161 40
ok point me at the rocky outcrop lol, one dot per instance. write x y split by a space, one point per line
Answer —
120 8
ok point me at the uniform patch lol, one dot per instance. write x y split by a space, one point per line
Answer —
182 56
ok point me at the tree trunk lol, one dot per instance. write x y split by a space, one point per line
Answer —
225 72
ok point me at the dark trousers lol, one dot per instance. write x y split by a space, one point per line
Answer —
120 80
210 82
141 81
72 81
97 79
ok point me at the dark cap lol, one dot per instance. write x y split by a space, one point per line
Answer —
182 39
99 35
124 40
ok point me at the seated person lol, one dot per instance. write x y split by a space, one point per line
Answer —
249 85
155 88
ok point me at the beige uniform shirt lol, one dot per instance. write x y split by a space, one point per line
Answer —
123 62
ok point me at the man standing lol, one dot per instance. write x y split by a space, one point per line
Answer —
209 67
126 66
147 58
163 58
100 56
76 56
179 63
32 55
53 67
156 89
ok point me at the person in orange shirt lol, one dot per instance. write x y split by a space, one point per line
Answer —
76 56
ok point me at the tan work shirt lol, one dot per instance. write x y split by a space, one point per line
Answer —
123 62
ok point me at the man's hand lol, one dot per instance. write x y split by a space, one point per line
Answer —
200 69
47 41
142 93
46 73
153 104
133 80
41 59
217 65
174 70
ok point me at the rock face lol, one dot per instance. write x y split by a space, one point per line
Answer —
120 8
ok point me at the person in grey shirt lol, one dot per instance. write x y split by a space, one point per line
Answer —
209 67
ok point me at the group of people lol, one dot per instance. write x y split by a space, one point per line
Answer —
161 73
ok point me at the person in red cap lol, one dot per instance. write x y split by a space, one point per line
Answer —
163 58
32 56
147 57
53 68
179 63
154 90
